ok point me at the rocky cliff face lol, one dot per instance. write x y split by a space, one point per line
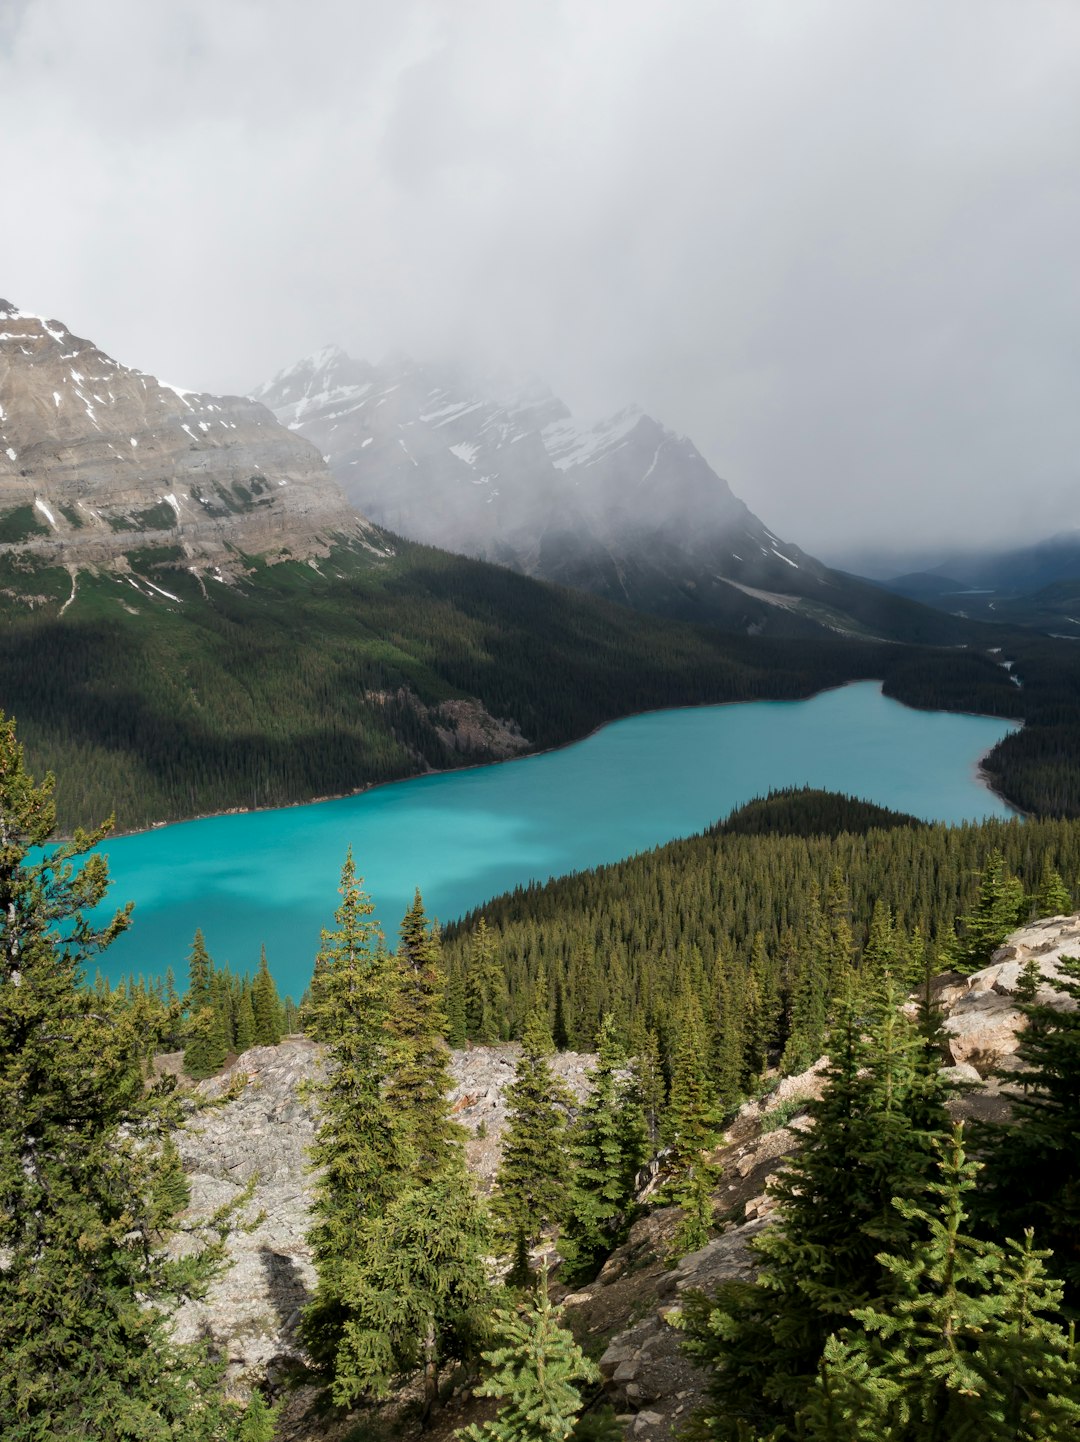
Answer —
98 460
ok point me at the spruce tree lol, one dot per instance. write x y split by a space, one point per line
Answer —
690 1129
607 1148
998 910
872 1140
537 1372
1052 896
531 1182
485 987
90 1182
1032 1175
360 1147
265 1005
245 1020
968 1344
415 1290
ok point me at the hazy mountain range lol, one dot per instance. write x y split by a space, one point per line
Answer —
625 508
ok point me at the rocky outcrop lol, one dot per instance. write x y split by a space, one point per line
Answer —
264 1133
983 1022
98 461
628 1312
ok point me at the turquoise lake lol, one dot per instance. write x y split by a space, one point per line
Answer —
271 876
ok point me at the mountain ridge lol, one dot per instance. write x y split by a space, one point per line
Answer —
98 460
625 508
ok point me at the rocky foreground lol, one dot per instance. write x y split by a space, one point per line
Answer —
253 1309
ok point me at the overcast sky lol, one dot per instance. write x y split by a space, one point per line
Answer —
836 242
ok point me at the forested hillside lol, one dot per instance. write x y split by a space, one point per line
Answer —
756 926
305 680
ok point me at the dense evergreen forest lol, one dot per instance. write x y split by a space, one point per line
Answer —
297 682
707 966
741 911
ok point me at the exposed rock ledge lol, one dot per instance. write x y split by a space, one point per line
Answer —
254 1307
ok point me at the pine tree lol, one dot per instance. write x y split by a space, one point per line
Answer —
998 910
485 997
1032 1174
531 1182
872 1140
265 1005
691 1128
360 1149
967 1346
607 1149
90 1181
199 1004
537 1369
245 1020
401 1240
1052 896
419 1078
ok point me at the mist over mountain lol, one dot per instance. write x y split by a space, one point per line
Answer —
625 508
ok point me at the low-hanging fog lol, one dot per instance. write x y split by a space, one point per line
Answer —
833 241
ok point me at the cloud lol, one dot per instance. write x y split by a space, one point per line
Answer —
833 242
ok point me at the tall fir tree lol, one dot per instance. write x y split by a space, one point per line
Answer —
360 1149
873 1139
531 1182
485 987
405 1289
203 1052
265 1005
1052 896
90 1181
690 1130
999 908
419 1078
968 1345
608 1146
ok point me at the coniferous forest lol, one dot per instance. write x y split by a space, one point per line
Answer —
917 1282
292 684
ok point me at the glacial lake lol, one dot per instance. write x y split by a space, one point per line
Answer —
271 876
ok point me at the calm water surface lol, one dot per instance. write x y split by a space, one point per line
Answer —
271 876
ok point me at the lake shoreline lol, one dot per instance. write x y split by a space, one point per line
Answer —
981 775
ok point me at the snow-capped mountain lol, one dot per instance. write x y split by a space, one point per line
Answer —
501 470
98 460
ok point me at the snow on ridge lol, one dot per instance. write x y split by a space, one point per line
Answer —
568 444
40 505
465 452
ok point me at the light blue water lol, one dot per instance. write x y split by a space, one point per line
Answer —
464 836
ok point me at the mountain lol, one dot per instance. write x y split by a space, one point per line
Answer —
625 509
98 461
